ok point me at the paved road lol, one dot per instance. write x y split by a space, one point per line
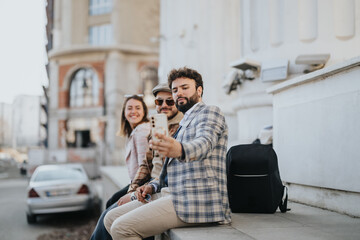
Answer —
13 224
12 207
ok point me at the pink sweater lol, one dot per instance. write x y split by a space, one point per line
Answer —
136 146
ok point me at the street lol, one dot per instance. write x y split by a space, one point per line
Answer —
14 226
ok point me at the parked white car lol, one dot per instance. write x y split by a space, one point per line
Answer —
60 188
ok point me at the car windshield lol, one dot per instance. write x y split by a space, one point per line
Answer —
59 174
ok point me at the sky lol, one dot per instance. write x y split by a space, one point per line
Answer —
22 48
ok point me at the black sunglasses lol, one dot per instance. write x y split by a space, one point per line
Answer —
169 102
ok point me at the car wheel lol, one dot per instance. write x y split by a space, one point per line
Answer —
31 218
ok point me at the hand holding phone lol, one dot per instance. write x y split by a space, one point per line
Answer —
159 125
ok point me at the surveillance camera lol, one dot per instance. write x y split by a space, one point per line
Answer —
232 79
316 61
246 64
249 74
312 59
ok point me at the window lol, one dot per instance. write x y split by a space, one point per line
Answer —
99 7
101 35
84 88
82 139
82 132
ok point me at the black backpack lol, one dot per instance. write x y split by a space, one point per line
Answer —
253 180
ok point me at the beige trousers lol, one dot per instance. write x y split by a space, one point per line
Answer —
137 220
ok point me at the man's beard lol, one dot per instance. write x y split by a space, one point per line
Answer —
189 103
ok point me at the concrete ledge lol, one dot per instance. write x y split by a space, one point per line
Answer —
223 232
118 175
114 178
326 198
302 222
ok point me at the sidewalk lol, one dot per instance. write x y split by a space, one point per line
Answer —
302 222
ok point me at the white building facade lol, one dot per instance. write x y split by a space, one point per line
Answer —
280 41
101 51
26 112
6 124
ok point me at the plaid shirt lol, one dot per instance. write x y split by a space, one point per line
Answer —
150 167
197 183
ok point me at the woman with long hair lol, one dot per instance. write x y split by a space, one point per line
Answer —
135 127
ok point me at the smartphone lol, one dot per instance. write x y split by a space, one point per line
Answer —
159 124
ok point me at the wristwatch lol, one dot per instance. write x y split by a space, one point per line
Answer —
132 196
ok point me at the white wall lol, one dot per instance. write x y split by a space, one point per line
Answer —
316 132
26 121
317 128
275 30
312 140
315 115
204 35
284 29
210 35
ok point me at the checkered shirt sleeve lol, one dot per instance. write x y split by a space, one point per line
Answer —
198 182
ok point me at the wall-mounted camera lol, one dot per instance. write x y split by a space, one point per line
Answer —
315 61
232 79
249 67
246 69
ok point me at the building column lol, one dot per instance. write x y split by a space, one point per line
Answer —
53 132
113 101
308 20
344 18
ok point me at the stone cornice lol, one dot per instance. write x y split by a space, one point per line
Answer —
65 113
124 48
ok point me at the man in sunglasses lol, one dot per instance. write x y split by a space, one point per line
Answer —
192 184
151 166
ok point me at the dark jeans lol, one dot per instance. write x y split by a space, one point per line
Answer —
100 232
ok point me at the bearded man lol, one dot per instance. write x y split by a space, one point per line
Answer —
191 190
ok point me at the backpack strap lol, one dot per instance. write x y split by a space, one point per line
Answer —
284 200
